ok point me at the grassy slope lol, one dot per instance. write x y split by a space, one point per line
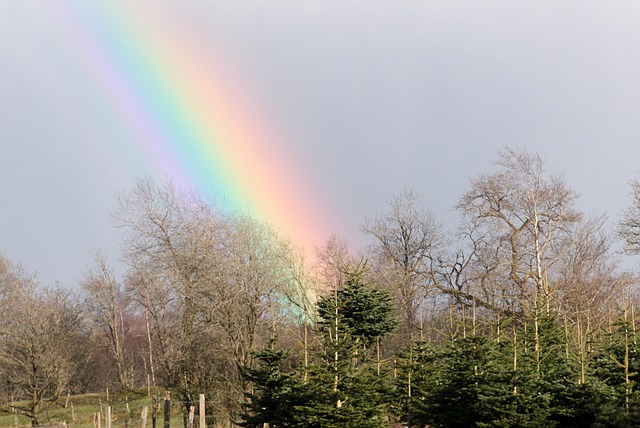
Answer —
84 407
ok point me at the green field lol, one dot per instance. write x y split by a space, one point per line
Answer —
80 409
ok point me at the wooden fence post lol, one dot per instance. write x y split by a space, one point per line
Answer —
201 413
107 422
143 417
154 411
192 411
167 409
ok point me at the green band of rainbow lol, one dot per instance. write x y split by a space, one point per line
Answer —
191 117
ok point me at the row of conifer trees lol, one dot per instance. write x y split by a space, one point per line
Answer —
524 370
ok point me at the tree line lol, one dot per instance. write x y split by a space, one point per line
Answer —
522 316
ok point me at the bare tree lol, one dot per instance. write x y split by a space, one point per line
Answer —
40 335
254 278
518 221
629 226
255 292
405 240
332 263
173 246
589 280
301 287
107 304
212 283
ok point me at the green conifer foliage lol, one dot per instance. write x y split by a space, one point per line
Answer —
617 367
456 402
510 395
362 312
525 371
346 389
416 380
361 399
484 381
275 393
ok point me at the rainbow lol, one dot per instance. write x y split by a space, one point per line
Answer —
191 116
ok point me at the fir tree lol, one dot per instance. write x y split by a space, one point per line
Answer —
362 312
617 366
510 394
418 370
455 402
533 380
275 393
346 389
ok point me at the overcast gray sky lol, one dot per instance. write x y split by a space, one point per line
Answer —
375 96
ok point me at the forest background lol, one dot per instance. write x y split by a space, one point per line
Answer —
522 316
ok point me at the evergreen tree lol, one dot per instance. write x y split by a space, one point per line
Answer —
533 380
418 371
526 379
275 393
510 394
361 312
617 366
557 371
361 399
345 388
455 402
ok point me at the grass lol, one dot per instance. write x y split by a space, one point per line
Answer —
80 411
